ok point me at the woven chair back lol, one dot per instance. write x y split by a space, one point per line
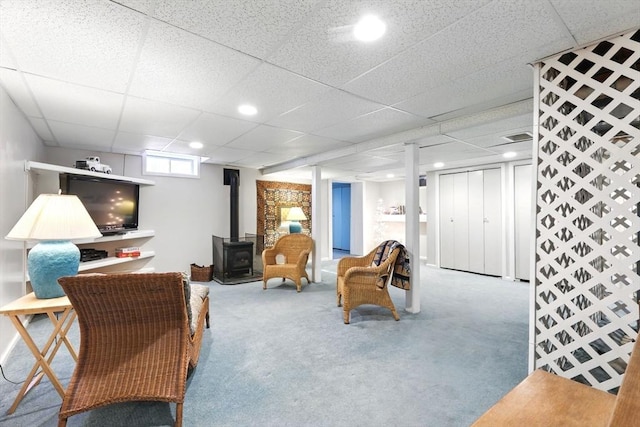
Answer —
291 245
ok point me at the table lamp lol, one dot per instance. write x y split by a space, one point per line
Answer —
54 220
295 215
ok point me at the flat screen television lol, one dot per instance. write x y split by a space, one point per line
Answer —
113 205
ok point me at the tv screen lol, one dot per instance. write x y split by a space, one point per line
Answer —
113 205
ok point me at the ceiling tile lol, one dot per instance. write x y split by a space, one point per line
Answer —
136 143
497 128
225 155
379 123
332 108
182 147
155 118
42 129
308 145
18 91
181 68
597 20
215 130
325 50
59 101
259 160
476 89
524 148
263 89
491 35
77 136
93 43
253 27
365 163
263 138
453 151
433 140
191 63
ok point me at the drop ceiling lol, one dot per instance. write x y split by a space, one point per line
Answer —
131 75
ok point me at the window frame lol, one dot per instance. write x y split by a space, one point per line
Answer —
171 158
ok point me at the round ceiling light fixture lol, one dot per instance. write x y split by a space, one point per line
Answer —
197 145
438 164
369 28
247 110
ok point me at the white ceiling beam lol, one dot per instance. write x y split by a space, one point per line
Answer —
440 128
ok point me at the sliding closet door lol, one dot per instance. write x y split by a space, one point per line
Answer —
447 259
523 220
492 221
476 221
471 221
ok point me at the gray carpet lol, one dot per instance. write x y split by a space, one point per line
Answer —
279 358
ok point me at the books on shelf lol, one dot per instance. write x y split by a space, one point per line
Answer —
132 251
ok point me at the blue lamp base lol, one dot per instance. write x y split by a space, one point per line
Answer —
47 262
295 227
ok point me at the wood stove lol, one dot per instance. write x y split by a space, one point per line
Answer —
237 258
236 255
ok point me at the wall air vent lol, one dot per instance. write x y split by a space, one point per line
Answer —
518 137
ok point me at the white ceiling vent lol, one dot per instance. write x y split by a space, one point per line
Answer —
518 137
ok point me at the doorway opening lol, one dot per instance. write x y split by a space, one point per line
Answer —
341 219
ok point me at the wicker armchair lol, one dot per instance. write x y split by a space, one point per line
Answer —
135 340
296 249
360 282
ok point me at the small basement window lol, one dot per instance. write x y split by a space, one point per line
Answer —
170 164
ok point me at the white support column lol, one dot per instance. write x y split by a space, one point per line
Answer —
316 223
412 230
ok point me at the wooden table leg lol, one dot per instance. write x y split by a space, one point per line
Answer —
61 327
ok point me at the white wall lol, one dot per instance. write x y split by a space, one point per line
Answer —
370 197
18 142
183 212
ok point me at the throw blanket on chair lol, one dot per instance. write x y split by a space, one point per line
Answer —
401 268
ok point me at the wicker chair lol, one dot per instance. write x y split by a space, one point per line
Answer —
296 249
360 282
135 340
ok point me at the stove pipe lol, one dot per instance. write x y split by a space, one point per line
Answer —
232 178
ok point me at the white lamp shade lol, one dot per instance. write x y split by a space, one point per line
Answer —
296 214
55 217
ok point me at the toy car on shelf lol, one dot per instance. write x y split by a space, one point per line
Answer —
92 163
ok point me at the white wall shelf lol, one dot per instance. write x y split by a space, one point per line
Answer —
129 235
37 167
105 262
45 178
133 234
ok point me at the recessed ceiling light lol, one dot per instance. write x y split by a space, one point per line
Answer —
390 175
509 154
438 165
247 110
196 145
369 28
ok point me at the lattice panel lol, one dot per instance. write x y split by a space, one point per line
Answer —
587 225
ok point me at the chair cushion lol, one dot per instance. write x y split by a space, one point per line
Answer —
198 295
186 282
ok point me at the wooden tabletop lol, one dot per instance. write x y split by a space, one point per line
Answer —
29 304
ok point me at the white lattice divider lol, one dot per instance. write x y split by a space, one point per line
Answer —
587 225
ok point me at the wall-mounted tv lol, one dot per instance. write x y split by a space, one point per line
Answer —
113 205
